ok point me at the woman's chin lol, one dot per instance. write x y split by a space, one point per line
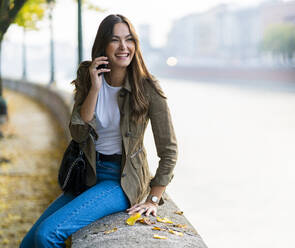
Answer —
121 65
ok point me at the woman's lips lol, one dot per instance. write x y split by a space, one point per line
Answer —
122 55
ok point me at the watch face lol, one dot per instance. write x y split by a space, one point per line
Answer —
154 199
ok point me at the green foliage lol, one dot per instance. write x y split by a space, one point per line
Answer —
32 12
11 4
280 40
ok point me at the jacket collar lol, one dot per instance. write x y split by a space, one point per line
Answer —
126 84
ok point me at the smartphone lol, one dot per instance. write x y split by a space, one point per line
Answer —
102 66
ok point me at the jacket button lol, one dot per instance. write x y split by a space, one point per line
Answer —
128 134
123 174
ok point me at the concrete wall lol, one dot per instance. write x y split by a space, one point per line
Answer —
139 235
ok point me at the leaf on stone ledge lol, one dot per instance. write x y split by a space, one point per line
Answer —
179 212
146 221
132 219
180 225
164 220
176 233
158 228
159 237
111 231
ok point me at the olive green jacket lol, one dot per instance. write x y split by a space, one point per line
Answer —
135 175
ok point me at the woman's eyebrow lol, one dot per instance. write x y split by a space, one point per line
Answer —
119 36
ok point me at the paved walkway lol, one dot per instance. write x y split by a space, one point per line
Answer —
33 144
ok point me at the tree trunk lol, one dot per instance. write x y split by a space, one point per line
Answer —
8 15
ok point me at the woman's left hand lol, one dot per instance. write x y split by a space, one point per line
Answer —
147 208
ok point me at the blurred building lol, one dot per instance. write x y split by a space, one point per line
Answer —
225 34
144 36
151 54
277 12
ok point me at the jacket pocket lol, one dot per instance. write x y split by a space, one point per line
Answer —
139 165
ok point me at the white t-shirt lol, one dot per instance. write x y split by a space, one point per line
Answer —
108 120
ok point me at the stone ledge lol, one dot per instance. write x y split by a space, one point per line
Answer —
139 235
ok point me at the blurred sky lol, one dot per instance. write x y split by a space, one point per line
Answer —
159 14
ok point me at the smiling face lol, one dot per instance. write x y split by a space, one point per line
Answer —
120 50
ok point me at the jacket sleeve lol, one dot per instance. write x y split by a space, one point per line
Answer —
164 136
78 128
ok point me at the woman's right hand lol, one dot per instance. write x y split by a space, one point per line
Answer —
96 80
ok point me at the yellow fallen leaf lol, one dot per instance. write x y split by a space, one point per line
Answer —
180 225
158 228
159 237
111 231
146 221
176 233
132 219
5 241
164 220
13 217
179 212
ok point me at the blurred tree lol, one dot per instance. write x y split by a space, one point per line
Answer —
280 41
27 18
8 12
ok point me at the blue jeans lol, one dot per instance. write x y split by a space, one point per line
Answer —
67 214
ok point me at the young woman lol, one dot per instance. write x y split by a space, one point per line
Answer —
112 108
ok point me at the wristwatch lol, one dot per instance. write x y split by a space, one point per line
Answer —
154 199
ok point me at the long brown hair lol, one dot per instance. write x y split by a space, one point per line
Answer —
137 71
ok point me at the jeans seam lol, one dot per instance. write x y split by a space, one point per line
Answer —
85 204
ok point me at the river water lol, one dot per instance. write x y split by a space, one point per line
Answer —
234 177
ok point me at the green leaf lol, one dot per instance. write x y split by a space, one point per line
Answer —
31 13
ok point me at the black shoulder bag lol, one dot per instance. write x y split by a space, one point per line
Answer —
72 171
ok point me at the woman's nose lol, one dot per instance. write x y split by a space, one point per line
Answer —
123 45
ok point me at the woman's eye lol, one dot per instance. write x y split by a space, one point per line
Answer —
131 39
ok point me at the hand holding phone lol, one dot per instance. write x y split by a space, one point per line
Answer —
97 67
102 66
